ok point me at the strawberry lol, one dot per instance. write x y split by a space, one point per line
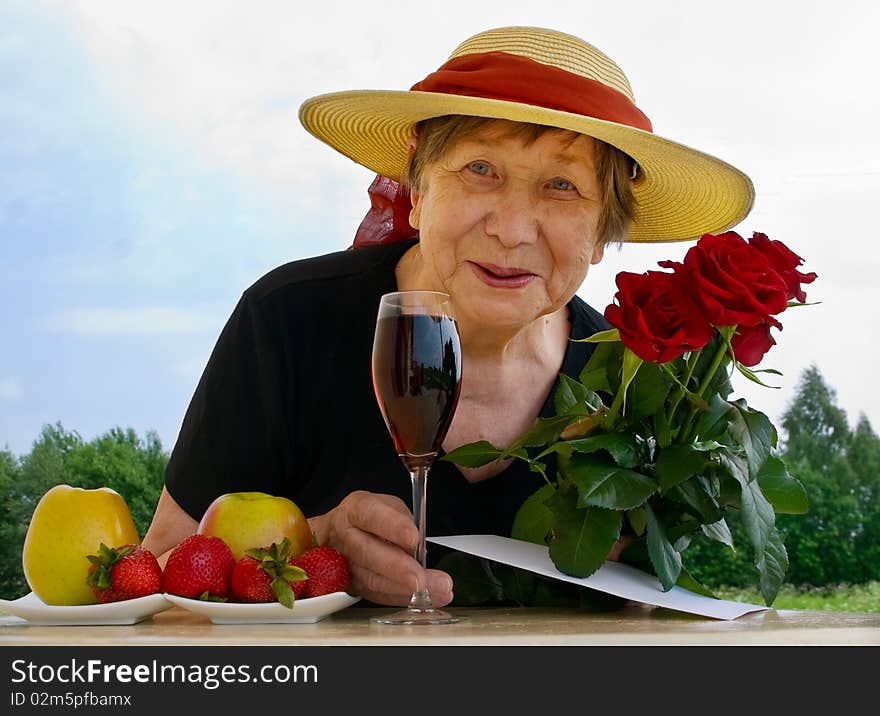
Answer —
126 572
327 571
199 568
267 575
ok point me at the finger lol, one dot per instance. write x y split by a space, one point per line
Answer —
378 588
383 590
439 587
376 555
386 517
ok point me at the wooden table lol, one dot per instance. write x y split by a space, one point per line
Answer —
634 625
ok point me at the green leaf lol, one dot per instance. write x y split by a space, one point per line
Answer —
785 493
772 564
543 432
771 558
697 495
719 532
582 537
534 520
686 581
516 584
612 335
622 447
631 365
281 589
638 520
665 560
474 454
289 573
565 399
606 485
677 463
573 398
601 373
648 392
735 464
713 422
754 431
759 522
752 375
562 448
729 490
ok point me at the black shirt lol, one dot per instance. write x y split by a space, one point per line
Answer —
286 404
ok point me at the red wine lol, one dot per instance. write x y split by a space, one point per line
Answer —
417 379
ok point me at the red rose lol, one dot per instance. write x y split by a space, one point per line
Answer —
750 343
657 319
734 281
785 262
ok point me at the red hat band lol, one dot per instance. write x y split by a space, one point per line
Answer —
513 78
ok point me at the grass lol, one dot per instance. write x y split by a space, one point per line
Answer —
839 598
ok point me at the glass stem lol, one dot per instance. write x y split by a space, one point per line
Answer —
419 475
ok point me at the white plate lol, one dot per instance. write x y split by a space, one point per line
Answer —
305 611
130 611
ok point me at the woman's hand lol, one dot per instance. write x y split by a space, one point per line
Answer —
377 535
622 543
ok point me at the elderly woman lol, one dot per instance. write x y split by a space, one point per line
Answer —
519 161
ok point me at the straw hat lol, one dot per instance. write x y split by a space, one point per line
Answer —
528 74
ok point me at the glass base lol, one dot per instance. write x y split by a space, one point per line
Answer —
411 615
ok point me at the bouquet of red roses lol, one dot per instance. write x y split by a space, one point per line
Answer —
647 442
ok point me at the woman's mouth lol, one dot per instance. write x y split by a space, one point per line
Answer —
502 277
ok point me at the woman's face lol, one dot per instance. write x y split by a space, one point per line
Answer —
509 230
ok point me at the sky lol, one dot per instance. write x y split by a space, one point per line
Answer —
152 167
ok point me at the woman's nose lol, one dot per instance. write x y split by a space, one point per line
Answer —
512 217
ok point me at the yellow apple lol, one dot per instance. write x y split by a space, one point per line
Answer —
68 524
245 520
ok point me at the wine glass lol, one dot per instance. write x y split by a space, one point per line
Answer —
417 380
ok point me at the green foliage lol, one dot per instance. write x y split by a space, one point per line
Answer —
836 540
662 443
804 510
10 564
118 459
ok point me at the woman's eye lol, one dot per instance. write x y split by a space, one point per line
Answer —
561 184
481 168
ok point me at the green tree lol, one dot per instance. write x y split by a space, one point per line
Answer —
823 545
816 431
838 539
10 516
864 459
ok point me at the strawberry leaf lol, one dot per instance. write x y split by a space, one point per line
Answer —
107 557
282 590
290 573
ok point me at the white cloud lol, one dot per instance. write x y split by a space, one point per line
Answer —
10 389
129 321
